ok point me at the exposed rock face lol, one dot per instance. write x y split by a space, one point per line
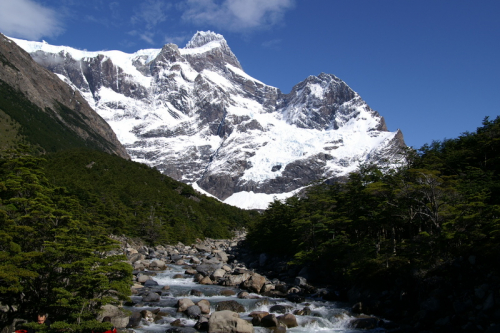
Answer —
60 101
195 115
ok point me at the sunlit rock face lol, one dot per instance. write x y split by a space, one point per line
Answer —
195 115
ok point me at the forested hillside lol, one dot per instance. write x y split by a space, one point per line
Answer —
133 199
434 221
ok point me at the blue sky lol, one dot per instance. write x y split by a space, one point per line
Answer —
430 67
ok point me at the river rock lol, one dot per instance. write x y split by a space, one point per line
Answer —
266 288
157 265
294 298
193 311
255 283
183 304
243 295
136 257
257 317
280 308
119 319
202 324
138 266
228 322
150 283
195 260
230 305
202 248
196 293
151 297
289 320
206 280
204 306
208 268
227 292
269 321
134 320
221 255
148 316
217 274
141 278
236 280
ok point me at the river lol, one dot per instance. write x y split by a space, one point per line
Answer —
324 316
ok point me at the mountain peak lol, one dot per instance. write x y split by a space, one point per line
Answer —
204 37
208 49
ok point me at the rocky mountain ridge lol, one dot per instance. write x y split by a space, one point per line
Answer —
59 103
194 114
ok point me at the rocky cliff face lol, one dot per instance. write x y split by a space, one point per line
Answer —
194 114
61 102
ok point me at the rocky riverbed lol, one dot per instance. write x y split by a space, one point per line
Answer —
206 287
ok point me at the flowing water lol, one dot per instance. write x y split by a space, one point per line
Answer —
325 316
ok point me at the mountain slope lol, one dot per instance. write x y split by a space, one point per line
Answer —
195 115
45 111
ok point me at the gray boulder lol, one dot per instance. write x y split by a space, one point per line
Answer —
193 311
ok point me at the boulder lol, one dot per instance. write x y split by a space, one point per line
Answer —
294 298
148 316
221 255
227 292
257 317
204 306
206 280
151 297
193 311
141 278
236 279
119 318
228 322
280 308
243 294
300 281
267 288
269 321
202 248
196 293
255 283
230 305
289 320
150 283
134 320
133 258
217 274
208 268
202 324
183 304
157 265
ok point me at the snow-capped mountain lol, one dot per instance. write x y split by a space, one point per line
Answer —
195 115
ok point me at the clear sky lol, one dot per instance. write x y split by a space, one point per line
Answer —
430 67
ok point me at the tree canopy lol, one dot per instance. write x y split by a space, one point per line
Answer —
443 203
